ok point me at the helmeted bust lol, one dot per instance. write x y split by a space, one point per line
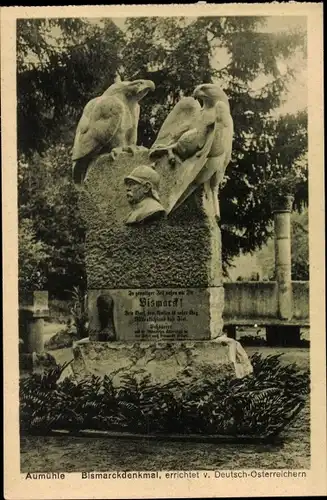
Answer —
142 187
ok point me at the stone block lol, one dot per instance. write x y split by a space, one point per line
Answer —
182 362
181 251
177 251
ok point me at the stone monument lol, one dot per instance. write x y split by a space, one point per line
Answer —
153 245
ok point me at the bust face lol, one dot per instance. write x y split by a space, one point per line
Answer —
136 192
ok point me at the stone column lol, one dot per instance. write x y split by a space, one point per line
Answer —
33 309
35 341
282 221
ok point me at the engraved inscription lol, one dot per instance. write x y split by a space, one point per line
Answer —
161 314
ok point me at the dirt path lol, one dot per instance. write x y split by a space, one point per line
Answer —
68 454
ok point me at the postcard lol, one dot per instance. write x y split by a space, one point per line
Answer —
163 255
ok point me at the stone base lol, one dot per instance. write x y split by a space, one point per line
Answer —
185 362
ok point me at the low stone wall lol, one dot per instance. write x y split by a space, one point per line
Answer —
301 296
258 300
251 299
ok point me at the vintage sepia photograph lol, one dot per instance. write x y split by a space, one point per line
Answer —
163 247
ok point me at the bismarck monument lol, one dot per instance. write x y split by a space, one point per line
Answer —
153 246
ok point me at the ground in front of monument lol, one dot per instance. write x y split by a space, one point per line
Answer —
77 454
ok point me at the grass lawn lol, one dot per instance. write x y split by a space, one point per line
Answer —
69 454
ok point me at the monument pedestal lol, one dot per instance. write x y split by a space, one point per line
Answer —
155 291
163 277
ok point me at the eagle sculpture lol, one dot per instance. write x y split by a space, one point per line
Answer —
108 123
177 137
187 130
215 104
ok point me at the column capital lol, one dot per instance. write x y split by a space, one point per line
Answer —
35 303
282 203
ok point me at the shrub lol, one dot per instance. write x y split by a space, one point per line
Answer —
60 310
252 340
79 312
259 405
32 258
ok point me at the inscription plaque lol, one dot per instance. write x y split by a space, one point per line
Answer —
157 314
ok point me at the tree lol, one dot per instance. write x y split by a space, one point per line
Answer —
61 64
32 258
300 246
48 199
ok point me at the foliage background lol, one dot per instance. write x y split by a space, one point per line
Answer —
62 63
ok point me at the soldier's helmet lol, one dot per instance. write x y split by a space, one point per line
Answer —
143 174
